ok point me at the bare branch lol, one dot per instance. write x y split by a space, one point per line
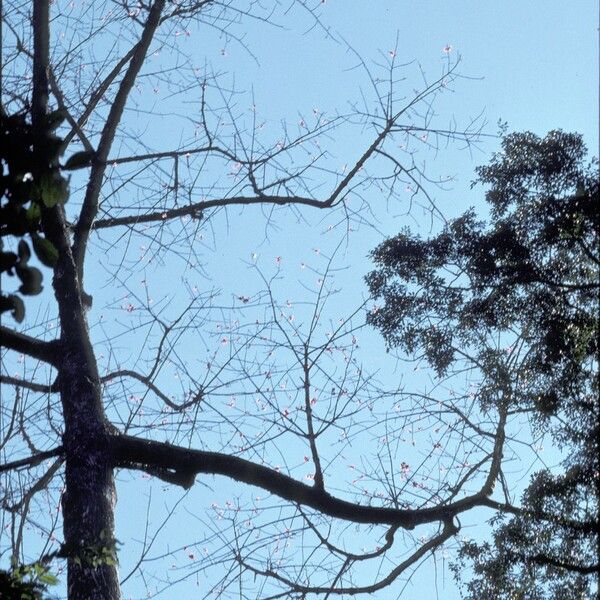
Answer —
183 463
195 210
32 461
447 532
90 203
30 385
25 344
147 381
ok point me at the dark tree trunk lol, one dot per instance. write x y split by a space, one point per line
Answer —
89 497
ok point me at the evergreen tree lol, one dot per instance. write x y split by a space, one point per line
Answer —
518 297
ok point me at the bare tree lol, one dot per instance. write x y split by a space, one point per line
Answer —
93 398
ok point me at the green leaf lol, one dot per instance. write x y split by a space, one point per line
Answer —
15 305
24 252
48 579
33 214
79 160
54 189
31 278
44 250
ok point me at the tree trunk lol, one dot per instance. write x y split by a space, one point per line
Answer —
89 497
88 519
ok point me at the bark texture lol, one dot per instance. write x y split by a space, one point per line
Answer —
88 500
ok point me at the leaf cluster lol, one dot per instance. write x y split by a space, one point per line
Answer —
519 299
96 555
531 276
26 582
31 182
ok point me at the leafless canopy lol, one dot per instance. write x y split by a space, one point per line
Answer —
270 394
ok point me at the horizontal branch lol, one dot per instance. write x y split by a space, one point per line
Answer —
585 527
171 154
25 344
184 463
544 560
30 385
31 461
195 210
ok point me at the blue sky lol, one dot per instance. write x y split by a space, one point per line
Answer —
532 64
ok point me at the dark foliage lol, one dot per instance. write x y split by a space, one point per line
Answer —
27 582
30 180
529 280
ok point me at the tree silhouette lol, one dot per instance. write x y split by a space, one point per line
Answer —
518 298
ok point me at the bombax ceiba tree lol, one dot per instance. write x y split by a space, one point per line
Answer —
83 407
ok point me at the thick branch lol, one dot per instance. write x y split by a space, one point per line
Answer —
30 385
25 344
184 463
585 527
542 559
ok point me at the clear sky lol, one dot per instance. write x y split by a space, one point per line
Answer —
533 64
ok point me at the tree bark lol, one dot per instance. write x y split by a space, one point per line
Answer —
89 497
